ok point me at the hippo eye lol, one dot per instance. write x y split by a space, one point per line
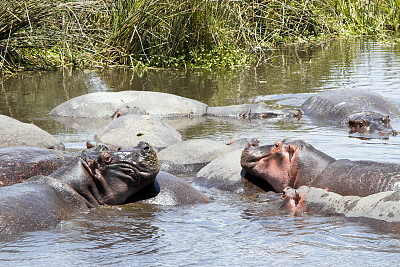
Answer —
278 145
107 157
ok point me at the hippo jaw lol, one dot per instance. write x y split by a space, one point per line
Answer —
275 164
120 174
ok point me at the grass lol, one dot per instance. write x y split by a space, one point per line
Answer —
37 34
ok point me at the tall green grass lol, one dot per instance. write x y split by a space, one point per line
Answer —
176 33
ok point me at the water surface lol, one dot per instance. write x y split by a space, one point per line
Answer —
233 230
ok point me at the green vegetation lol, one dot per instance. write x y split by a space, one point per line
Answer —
47 34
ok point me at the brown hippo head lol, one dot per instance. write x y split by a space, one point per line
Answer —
114 176
124 172
285 163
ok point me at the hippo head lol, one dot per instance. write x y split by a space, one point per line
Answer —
117 175
285 163
371 124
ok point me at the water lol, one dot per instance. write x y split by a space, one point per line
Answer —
232 230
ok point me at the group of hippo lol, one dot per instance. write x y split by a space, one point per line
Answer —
138 153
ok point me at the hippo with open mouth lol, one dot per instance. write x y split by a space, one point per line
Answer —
95 178
296 163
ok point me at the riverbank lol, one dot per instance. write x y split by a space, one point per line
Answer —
38 34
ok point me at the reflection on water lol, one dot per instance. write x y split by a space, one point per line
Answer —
232 229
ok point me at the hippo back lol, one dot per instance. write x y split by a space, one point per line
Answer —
342 105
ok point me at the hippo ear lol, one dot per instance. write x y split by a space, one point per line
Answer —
291 152
89 145
101 148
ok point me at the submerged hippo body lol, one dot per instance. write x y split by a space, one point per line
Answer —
162 105
296 163
95 178
20 163
170 190
362 111
252 111
114 104
380 210
16 133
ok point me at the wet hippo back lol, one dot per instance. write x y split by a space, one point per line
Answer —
359 178
343 105
20 163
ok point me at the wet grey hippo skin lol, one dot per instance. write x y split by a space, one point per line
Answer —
252 111
380 210
362 111
169 190
16 133
225 173
20 163
296 163
95 178
162 105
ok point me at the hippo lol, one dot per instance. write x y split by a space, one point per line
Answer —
113 104
296 163
380 210
169 190
362 111
16 133
95 178
128 130
252 111
192 155
226 174
162 105
20 163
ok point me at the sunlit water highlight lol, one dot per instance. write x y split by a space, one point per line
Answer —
232 230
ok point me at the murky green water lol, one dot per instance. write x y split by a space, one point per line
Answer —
232 229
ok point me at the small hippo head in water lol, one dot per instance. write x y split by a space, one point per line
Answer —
119 174
285 163
371 124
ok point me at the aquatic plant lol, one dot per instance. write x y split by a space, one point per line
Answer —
176 33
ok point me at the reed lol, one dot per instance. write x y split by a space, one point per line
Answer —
176 33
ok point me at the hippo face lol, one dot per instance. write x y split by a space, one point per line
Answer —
371 124
119 174
274 163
